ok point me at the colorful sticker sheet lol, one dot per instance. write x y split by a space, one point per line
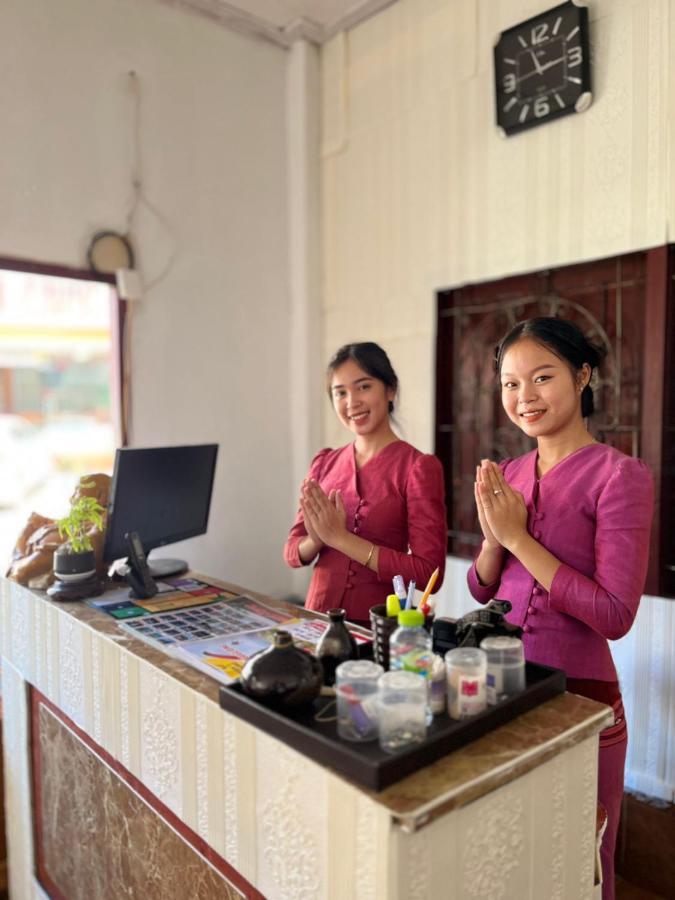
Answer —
219 618
173 593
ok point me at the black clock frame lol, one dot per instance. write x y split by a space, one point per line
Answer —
572 93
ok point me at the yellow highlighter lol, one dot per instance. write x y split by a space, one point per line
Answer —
393 605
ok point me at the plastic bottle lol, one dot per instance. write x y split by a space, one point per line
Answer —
410 648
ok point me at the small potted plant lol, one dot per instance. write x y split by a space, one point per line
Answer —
75 559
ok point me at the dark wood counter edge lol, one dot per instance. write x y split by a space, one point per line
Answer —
494 760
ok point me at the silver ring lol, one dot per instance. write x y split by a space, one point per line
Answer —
498 492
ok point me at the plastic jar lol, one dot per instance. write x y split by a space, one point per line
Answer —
410 649
505 667
467 672
356 689
402 707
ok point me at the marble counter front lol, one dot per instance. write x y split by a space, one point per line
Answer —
101 728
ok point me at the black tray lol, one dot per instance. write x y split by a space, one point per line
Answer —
366 763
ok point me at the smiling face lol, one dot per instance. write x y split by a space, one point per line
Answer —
540 391
360 400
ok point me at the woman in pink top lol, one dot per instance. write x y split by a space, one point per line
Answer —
566 532
372 509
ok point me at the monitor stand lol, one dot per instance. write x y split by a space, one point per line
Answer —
162 568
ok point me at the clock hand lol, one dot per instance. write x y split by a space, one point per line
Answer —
537 67
529 75
553 62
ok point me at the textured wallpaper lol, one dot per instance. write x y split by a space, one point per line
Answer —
420 192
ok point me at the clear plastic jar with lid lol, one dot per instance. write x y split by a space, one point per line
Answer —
467 669
402 710
505 667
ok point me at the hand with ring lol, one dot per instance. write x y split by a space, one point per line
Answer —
490 539
500 507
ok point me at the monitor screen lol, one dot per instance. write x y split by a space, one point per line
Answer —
163 493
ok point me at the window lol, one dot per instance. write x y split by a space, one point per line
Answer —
59 388
627 304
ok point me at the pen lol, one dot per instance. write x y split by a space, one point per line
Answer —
411 595
424 606
399 586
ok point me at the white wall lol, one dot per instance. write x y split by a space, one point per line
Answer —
421 194
210 340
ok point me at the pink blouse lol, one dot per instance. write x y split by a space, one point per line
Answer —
593 512
397 501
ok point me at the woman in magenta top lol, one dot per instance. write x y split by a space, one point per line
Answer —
566 532
374 508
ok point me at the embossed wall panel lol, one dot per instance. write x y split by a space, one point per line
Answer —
290 823
160 731
15 739
488 850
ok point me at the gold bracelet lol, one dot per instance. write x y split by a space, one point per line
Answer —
370 555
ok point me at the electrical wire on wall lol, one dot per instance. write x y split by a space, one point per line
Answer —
139 199
139 196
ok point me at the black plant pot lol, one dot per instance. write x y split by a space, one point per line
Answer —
282 676
73 567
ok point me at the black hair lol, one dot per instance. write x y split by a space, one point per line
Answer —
371 358
564 339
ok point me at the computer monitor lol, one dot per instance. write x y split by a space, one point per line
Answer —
163 494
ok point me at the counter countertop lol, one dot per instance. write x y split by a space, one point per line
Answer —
453 781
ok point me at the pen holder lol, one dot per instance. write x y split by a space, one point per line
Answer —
383 626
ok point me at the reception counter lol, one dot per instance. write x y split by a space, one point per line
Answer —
124 778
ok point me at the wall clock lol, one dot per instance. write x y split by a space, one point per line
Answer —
542 68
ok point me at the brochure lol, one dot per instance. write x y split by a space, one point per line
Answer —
224 657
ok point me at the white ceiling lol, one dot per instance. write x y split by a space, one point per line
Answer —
284 21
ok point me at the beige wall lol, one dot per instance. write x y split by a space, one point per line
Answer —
210 338
420 192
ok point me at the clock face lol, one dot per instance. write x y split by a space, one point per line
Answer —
542 68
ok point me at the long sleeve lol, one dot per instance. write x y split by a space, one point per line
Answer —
608 601
298 530
427 527
480 592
